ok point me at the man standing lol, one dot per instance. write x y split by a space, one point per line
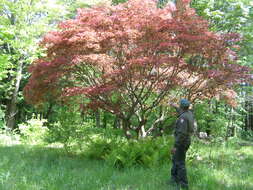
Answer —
182 134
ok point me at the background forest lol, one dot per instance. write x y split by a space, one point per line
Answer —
120 131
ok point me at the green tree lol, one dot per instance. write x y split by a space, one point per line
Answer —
22 24
230 16
233 16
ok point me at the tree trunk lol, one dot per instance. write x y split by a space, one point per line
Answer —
229 125
12 107
143 133
251 117
126 126
233 128
250 113
117 122
104 120
97 117
49 111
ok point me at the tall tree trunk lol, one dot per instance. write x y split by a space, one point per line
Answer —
143 133
12 107
233 128
97 117
126 127
117 122
251 114
104 120
247 116
230 123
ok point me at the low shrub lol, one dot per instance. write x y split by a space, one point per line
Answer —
67 128
122 153
98 146
33 131
247 135
9 137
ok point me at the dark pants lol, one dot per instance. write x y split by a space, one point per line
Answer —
178 170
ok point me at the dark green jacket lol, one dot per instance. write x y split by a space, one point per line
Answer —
184 129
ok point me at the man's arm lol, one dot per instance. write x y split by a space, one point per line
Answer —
176 107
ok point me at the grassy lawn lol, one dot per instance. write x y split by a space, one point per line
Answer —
24 167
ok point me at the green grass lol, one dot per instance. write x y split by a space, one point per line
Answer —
24 167
222 167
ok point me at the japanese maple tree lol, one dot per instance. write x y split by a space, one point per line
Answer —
127 59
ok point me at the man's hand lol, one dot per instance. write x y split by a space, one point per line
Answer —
173 150
172 104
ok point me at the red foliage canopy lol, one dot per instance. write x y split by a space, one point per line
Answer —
129 57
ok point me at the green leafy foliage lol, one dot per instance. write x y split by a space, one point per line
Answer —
4 65
208 120
120 153
224 15
118 1
83 137
218 119
67 128
230 16
98 147
247 135
2 119
9 138
33 131
75 131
